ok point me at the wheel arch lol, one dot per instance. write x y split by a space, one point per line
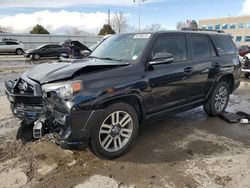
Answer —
132 100
228 78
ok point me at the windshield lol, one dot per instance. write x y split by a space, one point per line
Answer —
122 47
41 46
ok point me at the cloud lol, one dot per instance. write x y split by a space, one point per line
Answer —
55 22
246 8
60 3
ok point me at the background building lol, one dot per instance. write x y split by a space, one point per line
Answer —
238 27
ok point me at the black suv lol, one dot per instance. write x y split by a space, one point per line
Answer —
128 79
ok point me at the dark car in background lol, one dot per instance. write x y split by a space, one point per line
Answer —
243 50
47 50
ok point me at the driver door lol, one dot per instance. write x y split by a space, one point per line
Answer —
171 83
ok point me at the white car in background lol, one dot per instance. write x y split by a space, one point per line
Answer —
12 46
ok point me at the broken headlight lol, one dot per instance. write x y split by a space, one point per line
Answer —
64 90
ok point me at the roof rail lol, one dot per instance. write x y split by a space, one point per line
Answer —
189 29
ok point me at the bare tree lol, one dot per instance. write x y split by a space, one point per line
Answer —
180 25
75 31
193 25
119 22
5 29
189 24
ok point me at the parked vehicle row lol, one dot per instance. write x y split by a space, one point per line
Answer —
101 100
68 48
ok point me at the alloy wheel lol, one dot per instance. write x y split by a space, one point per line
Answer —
116 131
220 99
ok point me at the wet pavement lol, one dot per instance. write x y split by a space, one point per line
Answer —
188 150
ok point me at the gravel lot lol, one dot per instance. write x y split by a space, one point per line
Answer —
185 150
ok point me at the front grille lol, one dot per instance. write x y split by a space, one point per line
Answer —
24 88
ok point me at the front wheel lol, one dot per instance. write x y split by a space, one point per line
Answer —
218 101
36 56
115 131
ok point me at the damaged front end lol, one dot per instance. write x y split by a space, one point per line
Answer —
27 103
50 108
25 96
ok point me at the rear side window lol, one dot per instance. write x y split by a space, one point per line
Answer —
11 43
200 46
174 44
224 44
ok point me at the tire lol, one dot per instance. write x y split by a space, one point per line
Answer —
36 56
247 75
112 137
218 101
19 51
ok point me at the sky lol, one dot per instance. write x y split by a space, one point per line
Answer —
60 16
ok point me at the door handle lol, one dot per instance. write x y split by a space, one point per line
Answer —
189 70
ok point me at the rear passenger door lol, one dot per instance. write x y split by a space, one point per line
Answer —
203 57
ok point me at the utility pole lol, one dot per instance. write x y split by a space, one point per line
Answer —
108 16
140 2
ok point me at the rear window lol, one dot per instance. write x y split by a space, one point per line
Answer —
200 46
224 44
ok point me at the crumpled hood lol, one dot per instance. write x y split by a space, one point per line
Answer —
49 72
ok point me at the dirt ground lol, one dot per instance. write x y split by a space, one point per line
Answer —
185 150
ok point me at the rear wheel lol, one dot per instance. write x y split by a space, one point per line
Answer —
115 131
19 51
218 101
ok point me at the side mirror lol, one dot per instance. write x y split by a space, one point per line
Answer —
43 49
85 53
161 58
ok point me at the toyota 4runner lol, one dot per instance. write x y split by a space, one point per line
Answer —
101 100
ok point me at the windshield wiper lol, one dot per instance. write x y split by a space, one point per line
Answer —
110 58
105 58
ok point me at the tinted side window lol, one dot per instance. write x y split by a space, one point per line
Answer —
11 43
56 46
224 44
200 46
174 44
